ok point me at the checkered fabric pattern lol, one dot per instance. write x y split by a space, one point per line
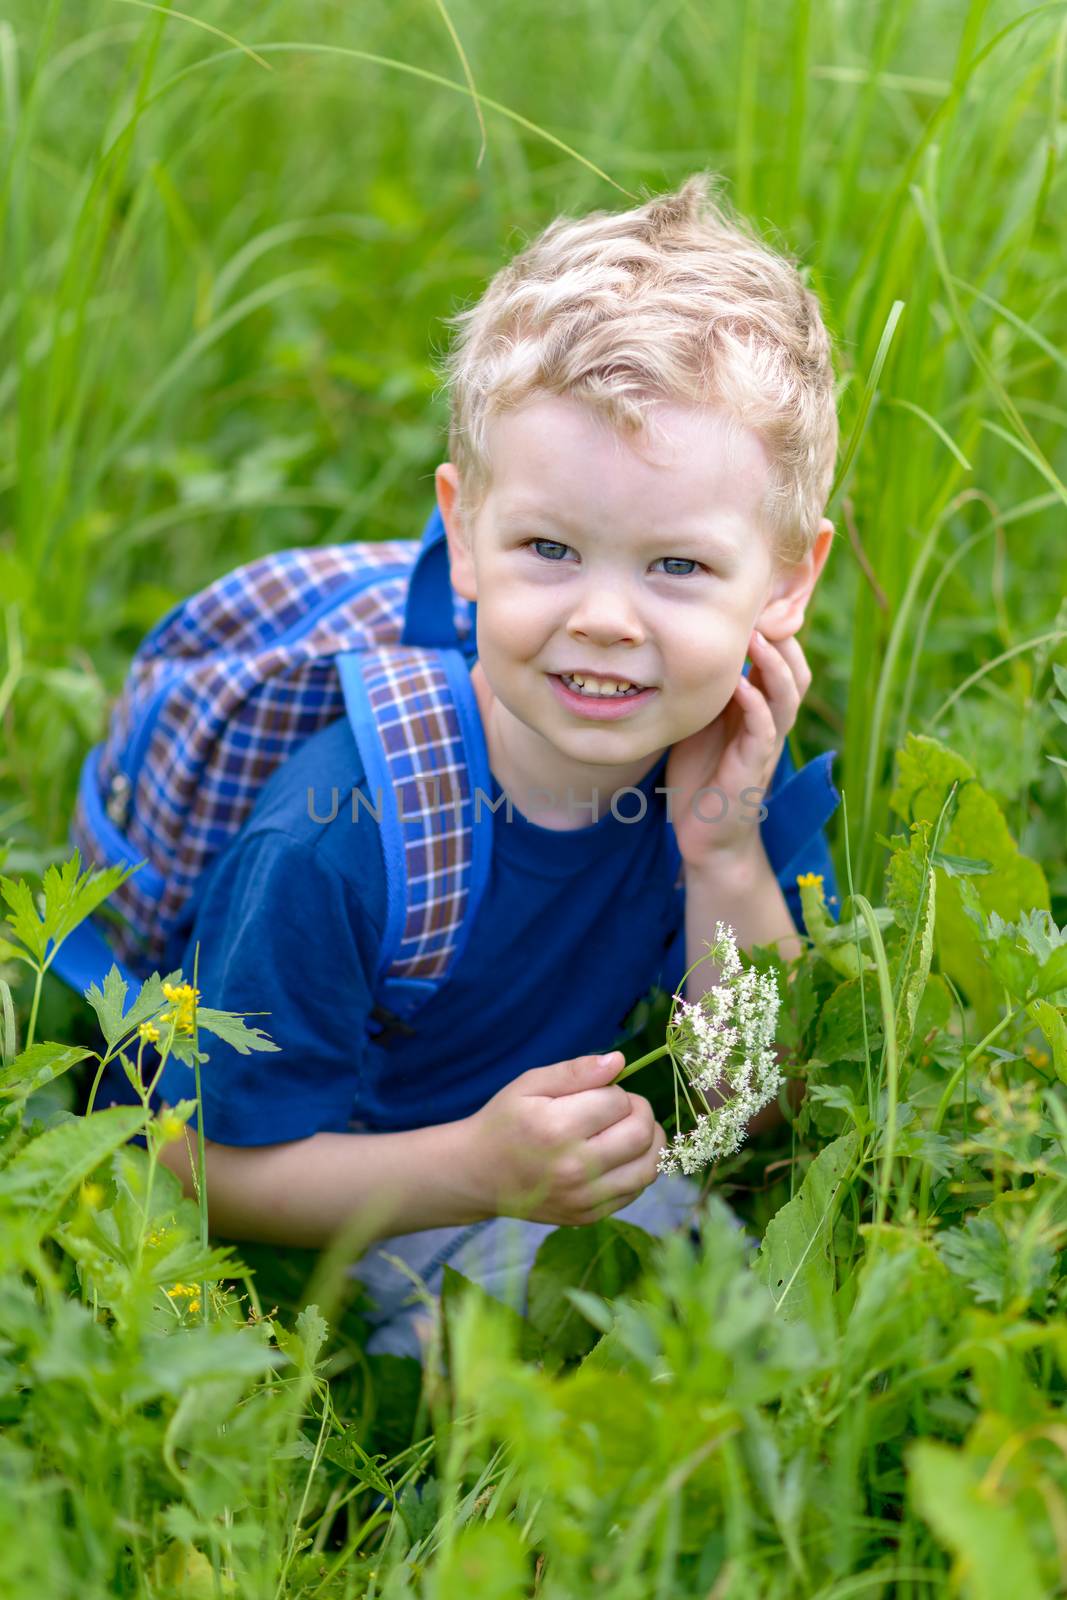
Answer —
222 690
433 795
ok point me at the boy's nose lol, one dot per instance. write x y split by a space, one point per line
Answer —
605 613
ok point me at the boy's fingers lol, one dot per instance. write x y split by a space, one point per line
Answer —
793 653
596 1110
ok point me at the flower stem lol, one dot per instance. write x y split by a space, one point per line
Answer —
635 1066
33 1011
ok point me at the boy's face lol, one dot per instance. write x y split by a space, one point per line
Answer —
651 567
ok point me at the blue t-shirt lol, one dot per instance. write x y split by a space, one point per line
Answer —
574 928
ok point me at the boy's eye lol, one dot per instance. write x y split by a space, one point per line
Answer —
555 545
552 545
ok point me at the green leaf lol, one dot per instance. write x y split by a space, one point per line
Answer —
925 771
108 1004
911 891
44 1175
229 1026
840 1035
456 1287
37 1066
345 1451
192 1355
22 919
605 1258
1015 969
960 866
304 1343
989 1539
1053 1026
1052 974
8 1036
796 1260
69 897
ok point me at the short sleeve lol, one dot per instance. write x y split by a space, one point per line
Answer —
279 932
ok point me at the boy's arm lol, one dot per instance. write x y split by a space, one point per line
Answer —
305 1191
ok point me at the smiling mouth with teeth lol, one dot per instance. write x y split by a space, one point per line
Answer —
609 688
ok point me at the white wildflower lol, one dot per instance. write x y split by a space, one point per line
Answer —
724 1041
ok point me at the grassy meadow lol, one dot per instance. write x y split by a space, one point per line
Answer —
230 237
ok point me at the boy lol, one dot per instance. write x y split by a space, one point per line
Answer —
634 394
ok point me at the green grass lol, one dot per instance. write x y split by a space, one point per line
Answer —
230 240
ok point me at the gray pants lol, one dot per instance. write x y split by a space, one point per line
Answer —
497 1254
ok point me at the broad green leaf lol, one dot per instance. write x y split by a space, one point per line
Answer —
925 772
77 1349
840 1035
795 1260
194 1355
37 1066
457 1288
44 1175
605 1258
991 1542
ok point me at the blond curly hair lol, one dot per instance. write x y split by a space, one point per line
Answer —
676 300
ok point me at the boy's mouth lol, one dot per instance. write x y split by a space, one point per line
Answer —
593 683
604 699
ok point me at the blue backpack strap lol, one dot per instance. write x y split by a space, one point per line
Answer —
432 606
415 719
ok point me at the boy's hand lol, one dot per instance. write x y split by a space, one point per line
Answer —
738 750
562 1144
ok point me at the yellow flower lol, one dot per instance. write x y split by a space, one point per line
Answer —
171 1127
93 1195
1039 1058
811 880
183 998
155 1236
186 1291
149 1031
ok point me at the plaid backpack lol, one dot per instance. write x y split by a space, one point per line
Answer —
232 681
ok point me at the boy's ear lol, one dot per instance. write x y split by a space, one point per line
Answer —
460 556
783 611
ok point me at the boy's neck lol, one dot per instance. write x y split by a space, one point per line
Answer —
525 766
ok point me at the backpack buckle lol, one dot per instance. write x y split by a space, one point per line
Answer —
117 804
390 1026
